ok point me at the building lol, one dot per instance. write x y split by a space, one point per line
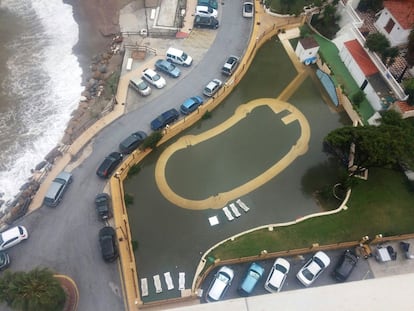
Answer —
307 50
396 21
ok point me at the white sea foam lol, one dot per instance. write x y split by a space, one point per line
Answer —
44 79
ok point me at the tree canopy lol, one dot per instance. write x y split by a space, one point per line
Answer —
32 291
375 146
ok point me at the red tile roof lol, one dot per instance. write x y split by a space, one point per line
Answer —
404 106
361 57
403 11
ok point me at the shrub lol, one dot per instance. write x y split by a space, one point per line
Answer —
129 199
151 141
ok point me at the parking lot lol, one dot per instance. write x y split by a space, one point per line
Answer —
362 271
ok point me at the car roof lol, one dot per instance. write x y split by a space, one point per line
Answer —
10 233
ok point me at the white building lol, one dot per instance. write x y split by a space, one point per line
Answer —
366 74
396 21
307 50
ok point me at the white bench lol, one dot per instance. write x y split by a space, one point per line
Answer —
243 206
235 210
227 213
157 284
129 64
144 287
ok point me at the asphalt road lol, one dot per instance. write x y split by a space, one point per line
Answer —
65 238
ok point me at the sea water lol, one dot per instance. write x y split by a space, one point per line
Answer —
40 84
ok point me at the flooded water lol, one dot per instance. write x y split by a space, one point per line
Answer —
171 238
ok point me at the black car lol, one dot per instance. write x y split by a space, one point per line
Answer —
164 119
109 164
107 241
103 205
206 22
345 266
4 261
132 142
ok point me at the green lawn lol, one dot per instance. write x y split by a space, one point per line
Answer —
383 204
341 76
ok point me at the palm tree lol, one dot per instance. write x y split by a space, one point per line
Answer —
33 290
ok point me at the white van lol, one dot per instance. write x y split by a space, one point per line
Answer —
179 57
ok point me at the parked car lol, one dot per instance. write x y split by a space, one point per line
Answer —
12 237
253 275
109 164
205 22
191 104
277 275
203 10
4 261
132 142
168 68
154 78
164 119
230 65
57 188
221 282
345 266
140 86
313 268
212 87
103 206
107 241
248 8
211 3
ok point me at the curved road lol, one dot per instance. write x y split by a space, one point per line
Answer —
66 238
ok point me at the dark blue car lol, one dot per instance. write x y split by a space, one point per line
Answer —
164 119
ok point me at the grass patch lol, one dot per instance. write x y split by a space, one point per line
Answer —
383 204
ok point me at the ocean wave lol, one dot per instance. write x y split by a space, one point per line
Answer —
44 81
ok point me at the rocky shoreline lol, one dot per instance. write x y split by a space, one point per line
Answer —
98 52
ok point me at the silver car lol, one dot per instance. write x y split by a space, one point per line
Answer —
212 87
140 86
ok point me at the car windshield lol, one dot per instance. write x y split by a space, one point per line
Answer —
60 180
319 262
222 278
254 274
142 86
280 268
184 56
156 77
307 274
248 8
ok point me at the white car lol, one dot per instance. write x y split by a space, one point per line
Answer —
12 237
248 9
219 285
313 268
277 275
154 78
202 10
212 87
